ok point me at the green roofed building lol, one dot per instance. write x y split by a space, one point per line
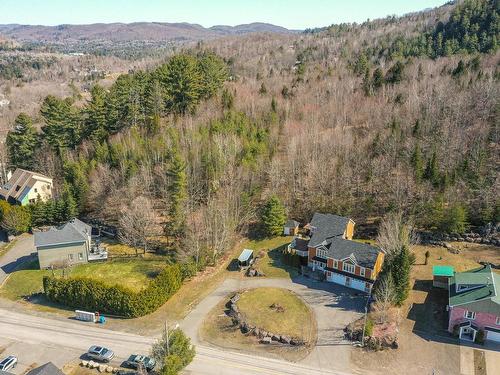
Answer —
440 276
474 304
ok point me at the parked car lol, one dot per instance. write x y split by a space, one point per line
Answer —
100 353
8 363
136 359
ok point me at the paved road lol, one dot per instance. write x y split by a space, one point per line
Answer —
334 307
36 340
20 252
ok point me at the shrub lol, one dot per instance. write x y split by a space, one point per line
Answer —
369 327
94 295
480 337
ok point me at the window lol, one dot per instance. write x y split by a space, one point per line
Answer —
80 256
70 256
362 271
470 315
321 253
498 321
348 267
335 264
318 264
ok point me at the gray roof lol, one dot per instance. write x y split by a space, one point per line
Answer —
365 255
291 224
73 231
326 226
301 244
47 369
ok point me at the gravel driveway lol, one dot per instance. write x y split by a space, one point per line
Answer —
334 307
22 250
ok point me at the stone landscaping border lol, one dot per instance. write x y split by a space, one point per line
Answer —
247 328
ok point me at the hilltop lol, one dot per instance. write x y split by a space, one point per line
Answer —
137 31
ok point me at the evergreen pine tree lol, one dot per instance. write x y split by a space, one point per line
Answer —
273 216
182 82
400 271
95 122
431 170
22 142
177 189
377 79
417 162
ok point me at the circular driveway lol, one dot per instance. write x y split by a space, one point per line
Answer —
334 307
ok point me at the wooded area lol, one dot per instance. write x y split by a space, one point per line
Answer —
194 147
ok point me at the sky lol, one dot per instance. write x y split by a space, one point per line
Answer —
292 14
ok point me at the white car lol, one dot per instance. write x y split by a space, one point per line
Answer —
100 353
8 363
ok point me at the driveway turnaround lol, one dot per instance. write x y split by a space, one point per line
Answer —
334 307
22 250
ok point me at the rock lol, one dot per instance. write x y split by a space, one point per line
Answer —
265 340
93 364
276 337
256 331
244 327
235 298
285 339
109 369
84 363
263 333
395 345
102 368
270 334
234 307
293 342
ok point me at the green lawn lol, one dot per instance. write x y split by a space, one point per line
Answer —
296 320
255 306
132 273
274 263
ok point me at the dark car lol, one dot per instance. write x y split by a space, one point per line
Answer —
100 353
136 359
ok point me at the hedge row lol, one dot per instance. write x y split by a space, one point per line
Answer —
94 295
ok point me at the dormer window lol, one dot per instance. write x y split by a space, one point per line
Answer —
347 267
470 315
321 252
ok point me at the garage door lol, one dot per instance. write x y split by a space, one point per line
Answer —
358 284
493 336
336 278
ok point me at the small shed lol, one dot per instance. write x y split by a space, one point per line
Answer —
291 228
441 275
245 258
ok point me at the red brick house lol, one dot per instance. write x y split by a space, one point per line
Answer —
331 250
474 304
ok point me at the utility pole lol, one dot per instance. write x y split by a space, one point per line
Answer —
364 327
167 331
168 338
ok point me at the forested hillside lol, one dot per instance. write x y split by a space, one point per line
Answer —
398 114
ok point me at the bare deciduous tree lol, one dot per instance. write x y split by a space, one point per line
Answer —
139 224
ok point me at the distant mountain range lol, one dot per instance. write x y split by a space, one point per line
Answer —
121 32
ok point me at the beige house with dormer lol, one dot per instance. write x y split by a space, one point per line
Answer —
25 187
